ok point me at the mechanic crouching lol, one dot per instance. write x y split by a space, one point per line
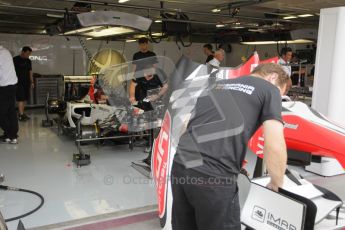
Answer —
153 78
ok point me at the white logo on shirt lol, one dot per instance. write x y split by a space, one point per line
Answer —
248 89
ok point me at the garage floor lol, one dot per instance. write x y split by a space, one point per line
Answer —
42 162
108 194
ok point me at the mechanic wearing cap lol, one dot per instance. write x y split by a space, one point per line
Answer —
8 81
210 152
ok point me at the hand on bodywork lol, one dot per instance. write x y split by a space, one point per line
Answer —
275 154
162 91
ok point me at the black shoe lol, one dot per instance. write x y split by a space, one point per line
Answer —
22 118
26 116
147 161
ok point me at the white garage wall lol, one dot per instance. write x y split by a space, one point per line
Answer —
57 55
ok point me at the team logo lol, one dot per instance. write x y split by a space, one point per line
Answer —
259 214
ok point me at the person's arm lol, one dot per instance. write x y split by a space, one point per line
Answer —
131 90
32 79
134 68
275 154
134 65
31 74
163 90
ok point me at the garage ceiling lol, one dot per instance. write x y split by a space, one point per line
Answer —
255 16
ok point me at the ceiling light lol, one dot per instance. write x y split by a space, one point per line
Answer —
237 27
253 24
158 21
298 41
108 32
216 10
131 40
82 30
289 17
87 39
55 15
305 15
220 25
139 35
237 23
157 34
123 1
256 30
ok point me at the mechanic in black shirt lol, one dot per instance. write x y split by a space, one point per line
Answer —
23 67
213 147
139 88
208 51
143 57
153 79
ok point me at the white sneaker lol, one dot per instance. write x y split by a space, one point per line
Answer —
14 141
10 141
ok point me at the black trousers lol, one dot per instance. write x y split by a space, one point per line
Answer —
8 115
201 202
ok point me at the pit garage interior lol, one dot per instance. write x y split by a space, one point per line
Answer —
78 160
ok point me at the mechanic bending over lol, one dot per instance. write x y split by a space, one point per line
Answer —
244 104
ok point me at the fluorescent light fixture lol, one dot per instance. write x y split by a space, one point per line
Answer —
289 17
237 23
139 35
158 21
298 41
55 15
87 39
220 25
237 27
216 10
305 15
157 34
131 40
82 30
123 1
108 32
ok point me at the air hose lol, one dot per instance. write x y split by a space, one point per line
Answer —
8 188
